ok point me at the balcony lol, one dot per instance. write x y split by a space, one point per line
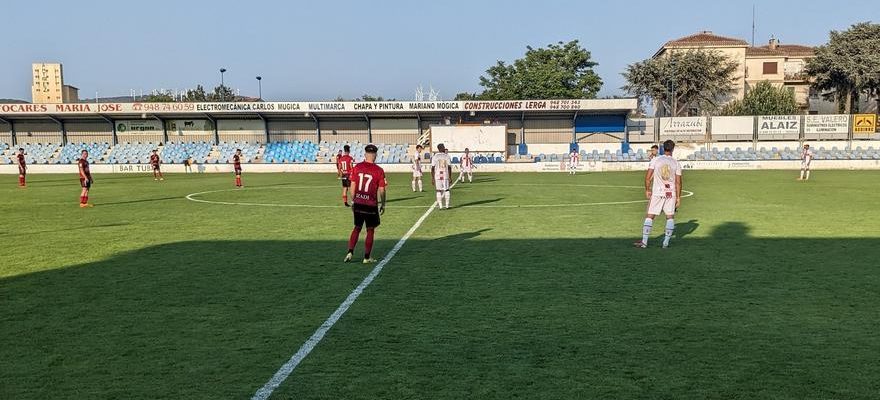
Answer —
797 77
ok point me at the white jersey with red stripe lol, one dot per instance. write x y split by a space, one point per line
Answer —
417 165
806 157
440 163
665 169
574 159
467 163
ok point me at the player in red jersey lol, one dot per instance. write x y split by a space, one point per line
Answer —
338 171
22 167
344 165
85 179
236 164
155 162
368 202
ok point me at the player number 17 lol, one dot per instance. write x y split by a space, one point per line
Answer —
361 185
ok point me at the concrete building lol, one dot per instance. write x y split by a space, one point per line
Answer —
48 85
781 65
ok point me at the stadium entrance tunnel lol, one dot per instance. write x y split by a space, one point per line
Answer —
722 315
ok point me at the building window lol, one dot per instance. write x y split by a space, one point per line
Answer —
771 68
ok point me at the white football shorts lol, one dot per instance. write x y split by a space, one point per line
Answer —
662 203
441 185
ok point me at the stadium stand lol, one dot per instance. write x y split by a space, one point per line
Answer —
389 153
71 152
131 153
787 153
176 153
307 151
39 153
6 153
290 152
719 154
489 158
224 152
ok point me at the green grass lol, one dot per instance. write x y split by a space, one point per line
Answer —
769 291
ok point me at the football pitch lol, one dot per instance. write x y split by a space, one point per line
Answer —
529 287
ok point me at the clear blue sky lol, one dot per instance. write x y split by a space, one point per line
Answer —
323 49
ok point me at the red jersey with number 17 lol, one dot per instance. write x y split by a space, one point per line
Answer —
367 178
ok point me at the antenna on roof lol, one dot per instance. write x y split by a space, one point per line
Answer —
753 25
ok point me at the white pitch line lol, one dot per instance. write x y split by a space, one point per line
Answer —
192 197
284 372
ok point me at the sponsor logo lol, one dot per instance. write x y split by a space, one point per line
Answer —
865 123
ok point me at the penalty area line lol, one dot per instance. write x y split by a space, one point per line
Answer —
284 372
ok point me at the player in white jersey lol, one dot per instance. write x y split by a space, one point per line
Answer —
574 159
417 169
663 190
467 166
441 173
806 159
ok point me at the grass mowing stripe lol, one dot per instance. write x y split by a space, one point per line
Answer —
284 372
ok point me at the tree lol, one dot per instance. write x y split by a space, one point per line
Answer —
763 99
196 95
222 93
559 71
683 80
848 65
466 96
159 97
365 97
640 111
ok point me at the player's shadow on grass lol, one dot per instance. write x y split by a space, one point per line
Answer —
479 202
523 316
731 231
683 229
74 183
74 180
454 239
32 181
483 179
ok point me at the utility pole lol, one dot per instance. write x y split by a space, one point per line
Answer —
222 85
